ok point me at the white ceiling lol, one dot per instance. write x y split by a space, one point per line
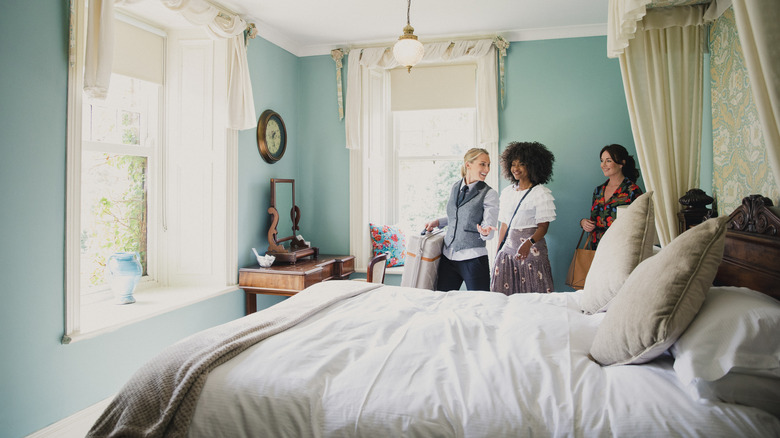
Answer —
314 27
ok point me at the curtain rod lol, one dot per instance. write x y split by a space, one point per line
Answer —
435 40
251 29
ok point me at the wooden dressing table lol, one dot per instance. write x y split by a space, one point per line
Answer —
289 279
293 270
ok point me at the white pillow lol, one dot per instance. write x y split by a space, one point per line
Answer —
628 241
749 389
735 328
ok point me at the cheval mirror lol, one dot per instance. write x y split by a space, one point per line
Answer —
283 200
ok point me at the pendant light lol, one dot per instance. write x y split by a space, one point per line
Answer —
407 50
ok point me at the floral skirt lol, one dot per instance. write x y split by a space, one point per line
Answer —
512 275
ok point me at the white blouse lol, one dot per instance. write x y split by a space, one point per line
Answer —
537 207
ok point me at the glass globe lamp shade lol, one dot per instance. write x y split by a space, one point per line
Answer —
407 50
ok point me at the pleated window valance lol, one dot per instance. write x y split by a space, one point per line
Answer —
484 51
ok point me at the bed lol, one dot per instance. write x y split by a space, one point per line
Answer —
349 358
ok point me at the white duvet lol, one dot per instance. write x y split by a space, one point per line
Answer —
409 362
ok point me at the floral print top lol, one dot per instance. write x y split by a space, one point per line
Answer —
604 211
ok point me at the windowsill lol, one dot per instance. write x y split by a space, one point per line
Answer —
103 315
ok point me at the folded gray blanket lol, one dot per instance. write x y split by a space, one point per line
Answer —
160 398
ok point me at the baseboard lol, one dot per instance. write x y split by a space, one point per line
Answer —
76 425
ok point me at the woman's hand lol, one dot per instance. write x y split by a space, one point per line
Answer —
431 225
485 231
587 225
525 248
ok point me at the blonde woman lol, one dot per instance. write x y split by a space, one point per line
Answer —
472 212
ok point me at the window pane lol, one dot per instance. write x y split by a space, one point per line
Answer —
113 212
424 183
424 188
435 132
118 119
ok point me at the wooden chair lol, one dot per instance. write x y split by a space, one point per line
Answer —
376 269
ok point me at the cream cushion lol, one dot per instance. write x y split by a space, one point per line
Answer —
661 297
628 241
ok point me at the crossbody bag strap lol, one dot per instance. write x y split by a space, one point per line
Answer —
509 225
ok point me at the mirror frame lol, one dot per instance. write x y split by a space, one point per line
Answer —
274 243
298 248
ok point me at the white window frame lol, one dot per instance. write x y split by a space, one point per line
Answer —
366 162
170 290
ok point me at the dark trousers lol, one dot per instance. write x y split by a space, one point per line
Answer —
452 273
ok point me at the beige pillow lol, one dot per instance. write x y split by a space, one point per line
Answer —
628 241
661 297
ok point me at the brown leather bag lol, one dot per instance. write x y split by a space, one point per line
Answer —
580 263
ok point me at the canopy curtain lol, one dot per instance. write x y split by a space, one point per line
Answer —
219 25
662 71
759 35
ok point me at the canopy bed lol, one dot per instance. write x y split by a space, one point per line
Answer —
347 358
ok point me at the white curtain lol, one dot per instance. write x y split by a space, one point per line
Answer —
100 43
662 78
759 36
99 54
661 55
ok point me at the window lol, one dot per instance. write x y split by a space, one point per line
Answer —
429 148
149 171
415 132
119 145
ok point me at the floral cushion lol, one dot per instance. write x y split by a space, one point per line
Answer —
391 240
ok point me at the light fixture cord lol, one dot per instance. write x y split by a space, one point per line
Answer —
408 8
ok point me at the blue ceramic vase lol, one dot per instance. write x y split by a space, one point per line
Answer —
124 271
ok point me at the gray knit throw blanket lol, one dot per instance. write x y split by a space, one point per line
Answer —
160 398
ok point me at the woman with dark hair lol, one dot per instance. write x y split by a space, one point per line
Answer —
620 189
526 209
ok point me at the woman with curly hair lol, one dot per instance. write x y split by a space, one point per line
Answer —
526 209
619 189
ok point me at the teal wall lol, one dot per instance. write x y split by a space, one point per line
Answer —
41 380
564 93
323 183
569 96
275 85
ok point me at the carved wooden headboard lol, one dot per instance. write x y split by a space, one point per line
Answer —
752 254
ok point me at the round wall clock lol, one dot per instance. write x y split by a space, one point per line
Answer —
271 136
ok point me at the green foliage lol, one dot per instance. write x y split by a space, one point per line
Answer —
120 216
426 193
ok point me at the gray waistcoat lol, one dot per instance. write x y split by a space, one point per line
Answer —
462 221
